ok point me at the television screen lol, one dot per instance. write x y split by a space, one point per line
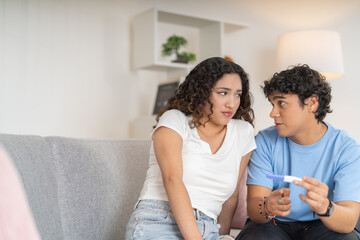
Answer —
164 92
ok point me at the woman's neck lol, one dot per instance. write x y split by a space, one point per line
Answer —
211 130
214 136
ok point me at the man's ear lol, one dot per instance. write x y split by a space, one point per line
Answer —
312 103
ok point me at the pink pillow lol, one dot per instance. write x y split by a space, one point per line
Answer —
16 221
241 210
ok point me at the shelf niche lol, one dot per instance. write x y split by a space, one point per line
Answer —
152 28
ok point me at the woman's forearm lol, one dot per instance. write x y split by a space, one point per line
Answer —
227 214
168 147
181 208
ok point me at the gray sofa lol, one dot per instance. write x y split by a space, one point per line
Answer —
79 189
82 189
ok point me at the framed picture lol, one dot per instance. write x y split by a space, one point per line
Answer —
164 91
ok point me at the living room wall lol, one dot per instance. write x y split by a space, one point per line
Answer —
65 66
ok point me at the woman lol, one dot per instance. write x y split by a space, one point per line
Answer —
201 146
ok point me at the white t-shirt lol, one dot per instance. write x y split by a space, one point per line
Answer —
210 179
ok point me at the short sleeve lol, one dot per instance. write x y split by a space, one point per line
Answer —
249 140
173 119
260 163
347 177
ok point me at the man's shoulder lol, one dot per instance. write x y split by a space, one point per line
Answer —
342 143
268 137
340 135
268 133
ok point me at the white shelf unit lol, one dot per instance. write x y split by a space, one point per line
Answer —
206 38
152 28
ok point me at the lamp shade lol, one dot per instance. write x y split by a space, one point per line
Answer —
321 50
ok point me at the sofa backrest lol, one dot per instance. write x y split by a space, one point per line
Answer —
79 189
99 182
83 188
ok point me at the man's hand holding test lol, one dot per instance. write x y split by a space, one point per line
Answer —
316 194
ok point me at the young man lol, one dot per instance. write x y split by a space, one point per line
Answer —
323 203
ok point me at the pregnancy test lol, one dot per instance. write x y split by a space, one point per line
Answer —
284 178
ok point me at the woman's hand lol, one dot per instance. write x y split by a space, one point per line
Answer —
278 203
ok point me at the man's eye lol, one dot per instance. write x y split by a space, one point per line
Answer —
281 103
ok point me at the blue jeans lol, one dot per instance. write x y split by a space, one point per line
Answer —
309 230
153 219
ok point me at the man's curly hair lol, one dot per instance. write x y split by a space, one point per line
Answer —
193 94
304 82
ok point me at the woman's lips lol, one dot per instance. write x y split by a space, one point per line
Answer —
227 114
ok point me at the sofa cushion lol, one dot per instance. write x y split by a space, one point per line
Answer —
33 159
95 195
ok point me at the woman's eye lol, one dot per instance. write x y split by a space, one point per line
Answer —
222 93
238 95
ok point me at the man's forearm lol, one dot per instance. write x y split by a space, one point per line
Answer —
344 217
256 210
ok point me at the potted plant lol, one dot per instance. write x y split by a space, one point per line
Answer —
172 45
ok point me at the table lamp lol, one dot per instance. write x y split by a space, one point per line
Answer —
321 50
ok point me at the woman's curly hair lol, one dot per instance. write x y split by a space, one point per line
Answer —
193 94
304 82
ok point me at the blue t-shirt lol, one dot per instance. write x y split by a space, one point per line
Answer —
333 160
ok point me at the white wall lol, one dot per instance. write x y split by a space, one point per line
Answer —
272 18
65 65
64 68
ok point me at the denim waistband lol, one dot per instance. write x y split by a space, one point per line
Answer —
165 205
157 204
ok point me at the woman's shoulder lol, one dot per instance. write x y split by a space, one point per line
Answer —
173 117
175 120
241 128
173 113
241 124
